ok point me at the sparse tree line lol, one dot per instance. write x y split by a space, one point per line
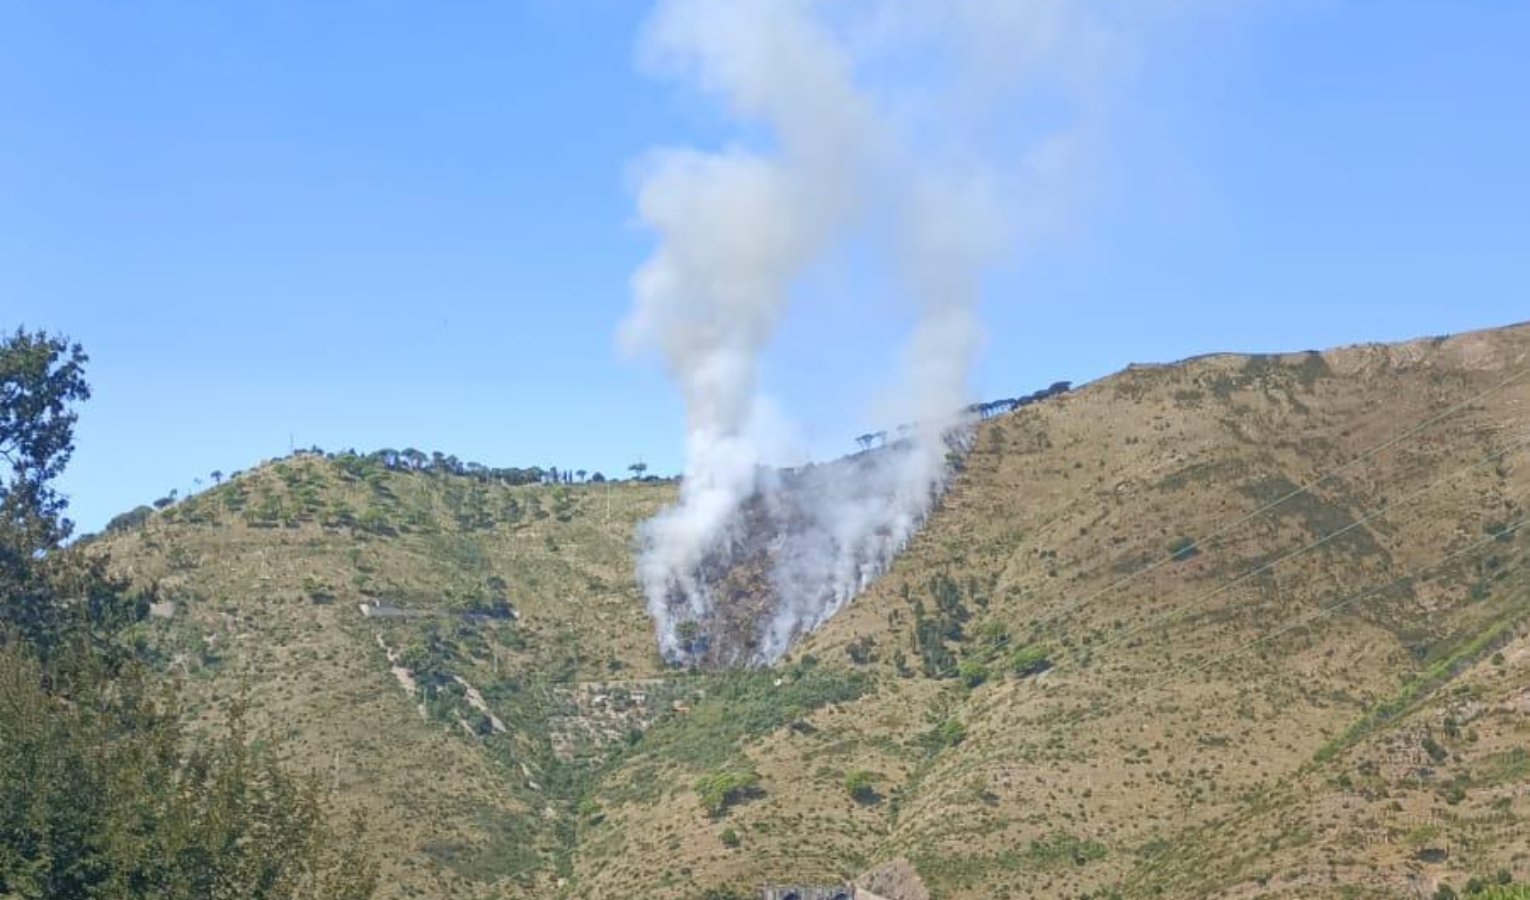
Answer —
299 494
438 463
981 410
406 460
410 459
102 792
1010 404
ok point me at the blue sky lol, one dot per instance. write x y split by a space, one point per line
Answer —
407 224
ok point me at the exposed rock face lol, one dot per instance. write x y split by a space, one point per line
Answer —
895 879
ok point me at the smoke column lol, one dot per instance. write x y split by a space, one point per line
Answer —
736 227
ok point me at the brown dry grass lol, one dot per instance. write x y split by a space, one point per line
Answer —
1142 763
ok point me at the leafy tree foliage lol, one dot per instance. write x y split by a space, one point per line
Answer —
49 596
40 377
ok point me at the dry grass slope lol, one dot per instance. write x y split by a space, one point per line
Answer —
1129 656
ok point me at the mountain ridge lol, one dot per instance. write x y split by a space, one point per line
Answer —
972 691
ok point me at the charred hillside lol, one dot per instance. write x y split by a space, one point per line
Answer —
805 541
800 550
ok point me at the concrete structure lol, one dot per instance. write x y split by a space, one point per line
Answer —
815 892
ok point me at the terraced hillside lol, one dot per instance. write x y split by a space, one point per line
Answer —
1240 626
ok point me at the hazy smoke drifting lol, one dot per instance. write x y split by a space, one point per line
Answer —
848 154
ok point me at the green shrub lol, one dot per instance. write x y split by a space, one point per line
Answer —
860 650
950 733
723 788
973 671
129 520
1505 892
860 785
590 811
1030 660
746 703
1182 548
994 634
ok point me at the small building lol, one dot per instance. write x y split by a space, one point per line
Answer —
373 608
809 892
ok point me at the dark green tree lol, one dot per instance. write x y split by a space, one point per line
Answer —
689 632
50 596
129 520
41 377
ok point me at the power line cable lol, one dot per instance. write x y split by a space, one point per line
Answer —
1297 622
1333 535
1433 484
1319 613
1287 497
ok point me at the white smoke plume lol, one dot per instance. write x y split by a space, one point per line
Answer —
844 154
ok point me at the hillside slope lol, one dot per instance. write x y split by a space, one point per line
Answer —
511 589
1239 626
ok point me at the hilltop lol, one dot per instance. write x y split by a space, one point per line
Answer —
1237 626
